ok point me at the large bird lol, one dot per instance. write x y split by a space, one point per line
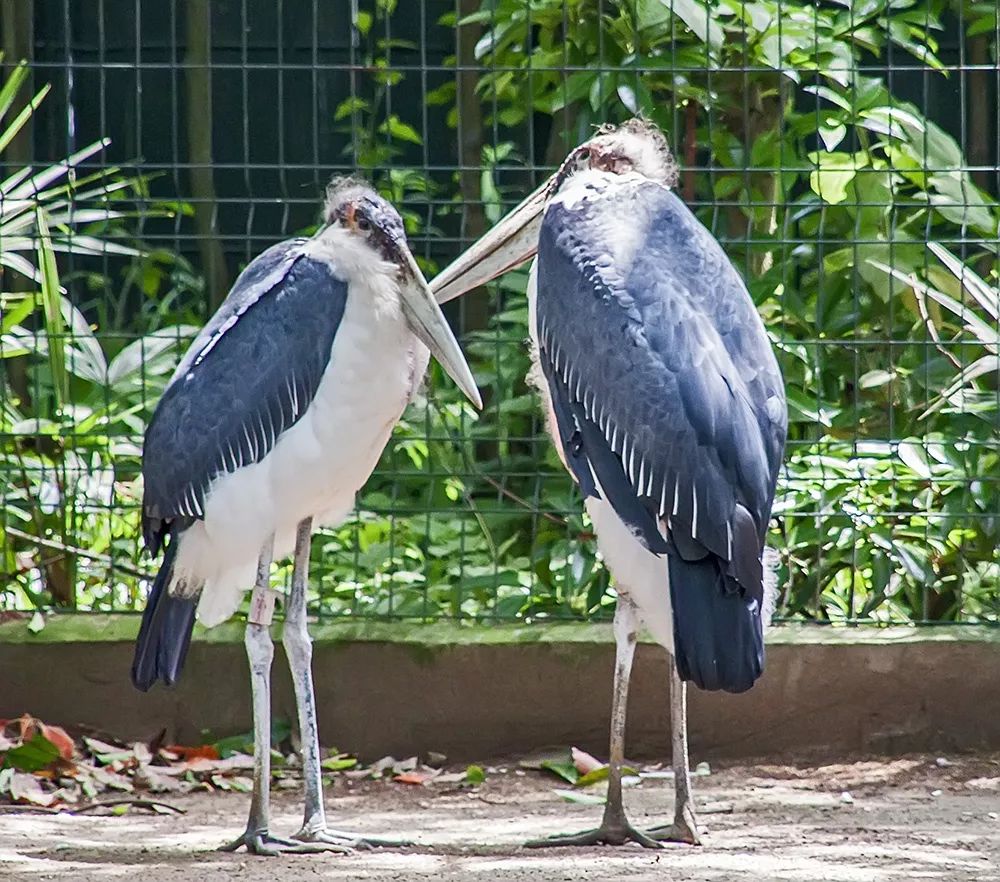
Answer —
274 419
665 401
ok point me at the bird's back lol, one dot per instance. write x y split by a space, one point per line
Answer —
669 404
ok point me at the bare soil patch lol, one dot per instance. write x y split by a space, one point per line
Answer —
892 819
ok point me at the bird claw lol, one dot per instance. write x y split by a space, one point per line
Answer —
350 841
684 829
617 835
262 843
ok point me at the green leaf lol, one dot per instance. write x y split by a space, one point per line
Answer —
601 774
832 134
834 173
579 797
475 775
32 755
14 315
363 22
8 134
912 453
565 769
52 303
15 79
697 17
876 378
226 747
401 131
339 762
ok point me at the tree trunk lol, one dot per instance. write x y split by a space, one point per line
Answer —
476 307
17 19
198 77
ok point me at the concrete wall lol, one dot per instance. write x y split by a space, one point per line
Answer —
476 693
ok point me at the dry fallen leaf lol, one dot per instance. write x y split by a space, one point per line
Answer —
413 777
202 751
59 739
450 778
26 788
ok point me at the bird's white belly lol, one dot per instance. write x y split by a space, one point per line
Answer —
638 573
317 466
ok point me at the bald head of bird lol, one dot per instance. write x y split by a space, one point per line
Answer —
362 228
636 147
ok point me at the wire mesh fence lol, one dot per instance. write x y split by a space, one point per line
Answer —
846 155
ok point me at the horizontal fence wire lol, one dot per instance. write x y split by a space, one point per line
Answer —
847 156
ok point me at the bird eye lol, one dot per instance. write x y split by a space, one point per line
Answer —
363 223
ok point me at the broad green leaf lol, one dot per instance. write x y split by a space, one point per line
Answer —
834 172
876 378
565 769
32 755
694 14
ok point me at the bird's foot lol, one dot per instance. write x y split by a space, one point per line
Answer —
606 834
350 841
683 829
260 842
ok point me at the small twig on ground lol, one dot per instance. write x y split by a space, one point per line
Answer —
91 806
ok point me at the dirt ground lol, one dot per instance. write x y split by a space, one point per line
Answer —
903 819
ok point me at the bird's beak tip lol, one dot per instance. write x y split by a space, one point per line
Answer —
428 322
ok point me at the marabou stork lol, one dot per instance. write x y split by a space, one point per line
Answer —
275 418
664 399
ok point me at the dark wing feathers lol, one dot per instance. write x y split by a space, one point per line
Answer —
248 377
661 375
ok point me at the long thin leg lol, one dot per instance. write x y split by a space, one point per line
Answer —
260 652
685 825
615 828
298 649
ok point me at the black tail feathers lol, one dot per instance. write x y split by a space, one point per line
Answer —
165 633
718 634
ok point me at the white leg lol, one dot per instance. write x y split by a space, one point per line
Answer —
298 649
257 837
685 825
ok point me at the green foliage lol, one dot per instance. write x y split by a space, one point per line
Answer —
69 411
826 190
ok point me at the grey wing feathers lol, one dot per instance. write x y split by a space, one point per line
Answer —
661 372
249 376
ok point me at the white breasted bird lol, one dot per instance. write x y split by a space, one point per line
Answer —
274 420
665 401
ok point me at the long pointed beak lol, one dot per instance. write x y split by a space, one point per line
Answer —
428 322
511 242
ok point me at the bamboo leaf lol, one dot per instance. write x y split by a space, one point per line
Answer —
15 79
988 298
8 134
52 303
40 181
